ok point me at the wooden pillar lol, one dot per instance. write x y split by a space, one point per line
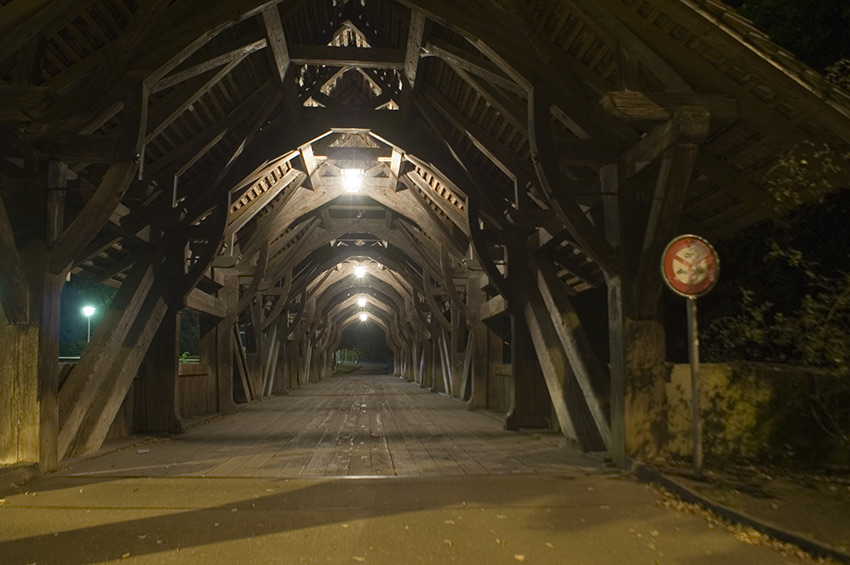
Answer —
457 342
29 372
530 405
219 338
160 373
29 323
160 370
475 297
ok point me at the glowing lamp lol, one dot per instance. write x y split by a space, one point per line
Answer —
88 312
360 271
361 302
364 316
352 179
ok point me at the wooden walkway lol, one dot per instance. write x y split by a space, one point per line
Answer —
371 425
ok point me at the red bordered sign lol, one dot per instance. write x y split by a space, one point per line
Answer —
690 266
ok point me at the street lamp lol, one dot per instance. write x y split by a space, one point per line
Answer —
352 179
88 312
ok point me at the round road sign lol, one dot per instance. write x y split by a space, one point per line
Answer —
690 266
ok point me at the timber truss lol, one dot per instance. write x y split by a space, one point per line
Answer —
510 156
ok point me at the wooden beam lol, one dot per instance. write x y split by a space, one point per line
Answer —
77 148
588 372
472 63
115 182
200 301
593 151
502 156
82 385
311 165
217 58
448 281
14 289
567 400
481 247
564 204
259 274
415 32
629 42
689 124
25 103
175 105
372 58
277 40
414 183
122 372
637 106
238 219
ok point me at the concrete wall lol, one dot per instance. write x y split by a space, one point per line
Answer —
753 411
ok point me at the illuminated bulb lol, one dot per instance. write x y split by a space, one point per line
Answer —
88 311
360 271
352 179
361 302
364 316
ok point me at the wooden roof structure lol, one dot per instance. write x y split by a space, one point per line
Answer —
587 132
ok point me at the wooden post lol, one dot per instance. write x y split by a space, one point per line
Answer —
160 374
617 369
229 293
479 334
29 330
29 371
161 366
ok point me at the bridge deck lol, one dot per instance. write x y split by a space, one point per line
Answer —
270 485
370 425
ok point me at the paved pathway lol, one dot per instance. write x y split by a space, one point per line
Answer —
355 469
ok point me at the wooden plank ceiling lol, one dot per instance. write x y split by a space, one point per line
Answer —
261 105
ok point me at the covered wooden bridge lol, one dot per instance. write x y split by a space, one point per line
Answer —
471 169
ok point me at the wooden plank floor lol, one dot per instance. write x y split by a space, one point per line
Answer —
370 425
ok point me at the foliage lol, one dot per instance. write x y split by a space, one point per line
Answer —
815 33
814 334
190 333
838 74
807 172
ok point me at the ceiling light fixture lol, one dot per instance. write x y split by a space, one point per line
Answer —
361 302
359 271
364 316
352 179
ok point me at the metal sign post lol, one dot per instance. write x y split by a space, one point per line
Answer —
690 266
696 416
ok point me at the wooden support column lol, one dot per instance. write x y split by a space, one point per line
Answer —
229 294
29 370
530 404
638 366
160 371
476 296
29 322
